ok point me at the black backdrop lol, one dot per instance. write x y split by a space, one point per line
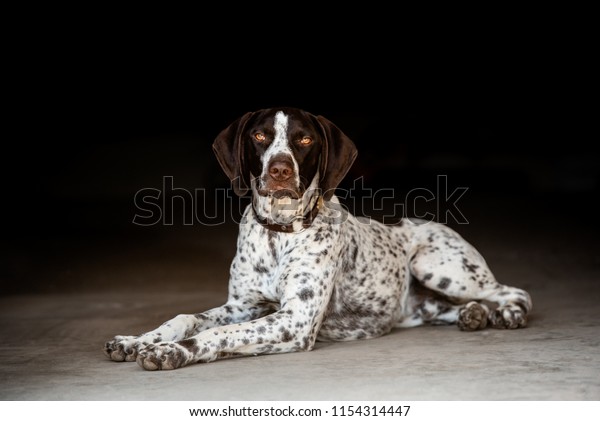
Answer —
84 144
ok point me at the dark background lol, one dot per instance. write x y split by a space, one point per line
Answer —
85 141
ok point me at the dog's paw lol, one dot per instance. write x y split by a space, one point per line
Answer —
122 348
473 316
509 316
163 356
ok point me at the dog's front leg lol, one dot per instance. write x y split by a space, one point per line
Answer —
126 348
305 295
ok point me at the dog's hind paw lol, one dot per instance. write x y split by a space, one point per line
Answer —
473 316
509 316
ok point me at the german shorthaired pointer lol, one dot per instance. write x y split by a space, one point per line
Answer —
307 270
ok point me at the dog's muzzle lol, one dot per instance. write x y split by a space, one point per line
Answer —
280 180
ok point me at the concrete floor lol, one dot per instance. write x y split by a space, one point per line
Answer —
52 337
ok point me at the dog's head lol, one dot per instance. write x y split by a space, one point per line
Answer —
282 152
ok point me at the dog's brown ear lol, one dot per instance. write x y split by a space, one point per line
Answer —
229 149
337 157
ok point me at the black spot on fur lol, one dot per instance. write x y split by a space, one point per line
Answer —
444 283
266 348
306 343
190 345
176 359
427 277
261 269
306 294
271 235
287 336
261 330
469 266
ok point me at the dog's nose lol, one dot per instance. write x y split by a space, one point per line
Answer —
281 170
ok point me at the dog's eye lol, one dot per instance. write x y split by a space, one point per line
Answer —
305 141
260 137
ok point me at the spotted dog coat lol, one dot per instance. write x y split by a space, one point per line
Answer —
307 270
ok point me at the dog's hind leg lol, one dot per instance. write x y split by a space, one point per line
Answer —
442 261
427 306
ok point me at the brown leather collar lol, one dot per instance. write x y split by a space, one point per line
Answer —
307 219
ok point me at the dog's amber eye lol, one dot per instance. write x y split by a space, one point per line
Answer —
305 141
260 137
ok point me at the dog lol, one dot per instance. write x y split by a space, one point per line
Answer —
306 269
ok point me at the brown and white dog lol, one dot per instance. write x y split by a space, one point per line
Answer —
307 270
